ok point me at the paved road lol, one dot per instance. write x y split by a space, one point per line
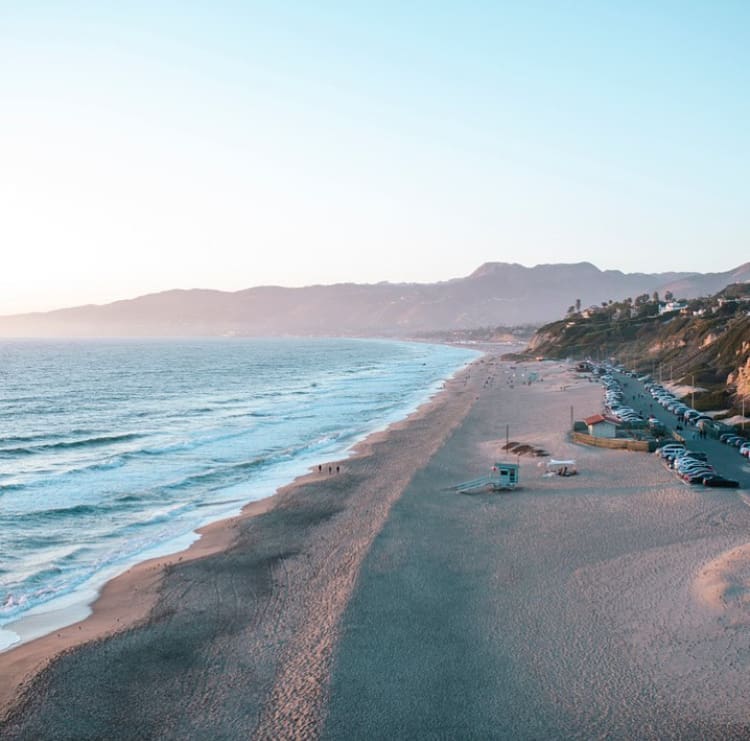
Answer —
724 458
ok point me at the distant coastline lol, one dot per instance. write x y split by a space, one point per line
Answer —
496 295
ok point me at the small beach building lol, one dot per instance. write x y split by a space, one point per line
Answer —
504 475
600 426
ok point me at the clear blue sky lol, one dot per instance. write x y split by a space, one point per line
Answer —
231 144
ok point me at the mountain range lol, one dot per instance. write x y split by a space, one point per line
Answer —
495 294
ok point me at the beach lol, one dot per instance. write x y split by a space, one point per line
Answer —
380 603
235 626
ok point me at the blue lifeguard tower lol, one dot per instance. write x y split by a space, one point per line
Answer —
502 477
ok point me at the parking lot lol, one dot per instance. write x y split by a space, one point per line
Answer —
725 459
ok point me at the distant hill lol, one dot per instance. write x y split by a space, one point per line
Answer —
706 284
494 294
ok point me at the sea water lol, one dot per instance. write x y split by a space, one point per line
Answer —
112 451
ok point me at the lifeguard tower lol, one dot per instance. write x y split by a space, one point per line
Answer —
502 477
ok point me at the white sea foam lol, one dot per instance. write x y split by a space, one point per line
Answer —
152 454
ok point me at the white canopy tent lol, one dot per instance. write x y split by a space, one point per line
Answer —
561 468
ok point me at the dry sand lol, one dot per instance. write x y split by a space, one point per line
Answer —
380 604
572 609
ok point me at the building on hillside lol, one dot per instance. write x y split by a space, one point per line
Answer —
591 311
722 301
670 306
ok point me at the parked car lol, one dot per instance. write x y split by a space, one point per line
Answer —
727 436
670 449
684 465
696 455
716 480
672 455
696 477
690 466
745 449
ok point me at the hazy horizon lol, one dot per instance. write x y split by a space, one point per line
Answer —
116 299
145 150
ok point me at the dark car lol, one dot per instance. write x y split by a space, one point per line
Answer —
698 476
731 438
716 480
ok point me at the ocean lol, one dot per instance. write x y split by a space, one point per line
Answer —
114 451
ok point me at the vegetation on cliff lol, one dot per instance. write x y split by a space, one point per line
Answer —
703 342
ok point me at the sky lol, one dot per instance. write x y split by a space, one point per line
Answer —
147 146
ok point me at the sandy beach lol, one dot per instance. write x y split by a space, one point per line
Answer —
379 603
238 643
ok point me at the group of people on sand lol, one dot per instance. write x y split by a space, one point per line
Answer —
330 469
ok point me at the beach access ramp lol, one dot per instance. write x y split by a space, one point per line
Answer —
502 477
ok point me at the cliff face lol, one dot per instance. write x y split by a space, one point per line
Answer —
710 341
546 340
740 378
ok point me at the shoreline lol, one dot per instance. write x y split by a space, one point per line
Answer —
126 601
122 603
76 606
382 603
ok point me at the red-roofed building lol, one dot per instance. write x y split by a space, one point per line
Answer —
600 426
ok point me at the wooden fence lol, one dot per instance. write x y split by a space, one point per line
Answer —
619 443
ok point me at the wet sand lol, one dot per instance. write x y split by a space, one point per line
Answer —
381 604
